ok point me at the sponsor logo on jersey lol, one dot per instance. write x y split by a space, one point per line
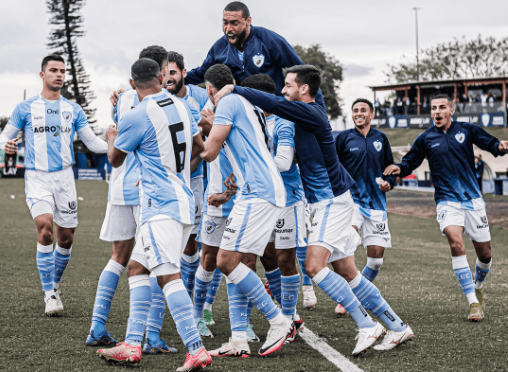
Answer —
67 115
56 129
354 149
51 111
258 60
147 248
37 118
381 226
460 137
210 226
436 144
228 221
377 145
280 223
484 221
283 231
73 204
165 102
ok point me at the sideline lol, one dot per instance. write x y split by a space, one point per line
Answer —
339 360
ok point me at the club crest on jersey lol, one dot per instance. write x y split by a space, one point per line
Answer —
460 137
280 223
258 60
377 145
381 226
210 226
67 115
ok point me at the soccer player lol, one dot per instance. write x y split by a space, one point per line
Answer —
257 205
50 122
248 50
448 146
163 135
120 227
326 184
365 152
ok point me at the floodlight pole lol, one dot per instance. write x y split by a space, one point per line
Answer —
417 52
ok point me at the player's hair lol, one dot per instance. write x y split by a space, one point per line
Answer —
176 58
363 100
156 53
261 82
143 71
438 96
238 6
307 74
219 76
51 57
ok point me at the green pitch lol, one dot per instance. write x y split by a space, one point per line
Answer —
416 279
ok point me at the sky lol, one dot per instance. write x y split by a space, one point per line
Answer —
364 36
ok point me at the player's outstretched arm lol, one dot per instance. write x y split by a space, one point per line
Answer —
391 169
503 146
91 141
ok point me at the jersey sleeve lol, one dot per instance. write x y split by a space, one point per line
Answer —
130 134
484 140
16 119
286 134
194 115
339 143
414 158
81 119
225 112
388 160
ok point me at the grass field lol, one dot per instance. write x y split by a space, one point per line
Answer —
416 279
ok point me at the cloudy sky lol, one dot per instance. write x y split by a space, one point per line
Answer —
364 36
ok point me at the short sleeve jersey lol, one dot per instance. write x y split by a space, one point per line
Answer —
159 131
49 131
248 150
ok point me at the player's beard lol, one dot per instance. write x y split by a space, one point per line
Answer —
176 88
240 39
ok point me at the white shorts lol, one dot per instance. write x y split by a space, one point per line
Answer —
120 223
52 192
352 242
475 222
161 241
197 190
249 226
374 228
330 222
211 230
290 229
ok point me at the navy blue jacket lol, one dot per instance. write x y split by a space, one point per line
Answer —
451 160
365 159
323 176
266 52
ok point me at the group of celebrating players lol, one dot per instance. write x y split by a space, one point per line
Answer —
246 167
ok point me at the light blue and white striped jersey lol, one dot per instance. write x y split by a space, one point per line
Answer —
122 183
217 172
160 131
49 131
282 133
197 98
248 150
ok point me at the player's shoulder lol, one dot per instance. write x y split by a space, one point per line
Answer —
344 134
25 105
196 90
464 125
129 93
379 134
283 122
264 33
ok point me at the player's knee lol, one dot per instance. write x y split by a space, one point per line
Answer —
209 262
311 269
45 235
135 268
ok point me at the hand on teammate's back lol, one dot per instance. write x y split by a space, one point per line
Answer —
207 121
391 169
115 96
227 89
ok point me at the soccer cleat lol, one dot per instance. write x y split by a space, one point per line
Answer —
196 362
394 339
475 312
479 296
277 334
52 307
103 339
202 328
309 297
239 349
157 347
251 336
123 353
58 300
366 338
339 310
207 316
298 326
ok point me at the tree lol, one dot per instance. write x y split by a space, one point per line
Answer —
477 58
331 75
65 16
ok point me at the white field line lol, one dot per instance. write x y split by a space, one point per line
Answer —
339 360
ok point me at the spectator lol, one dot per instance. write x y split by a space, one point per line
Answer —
377 105
387 105
398 108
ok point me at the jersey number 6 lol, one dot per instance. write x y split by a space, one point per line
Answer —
178 147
